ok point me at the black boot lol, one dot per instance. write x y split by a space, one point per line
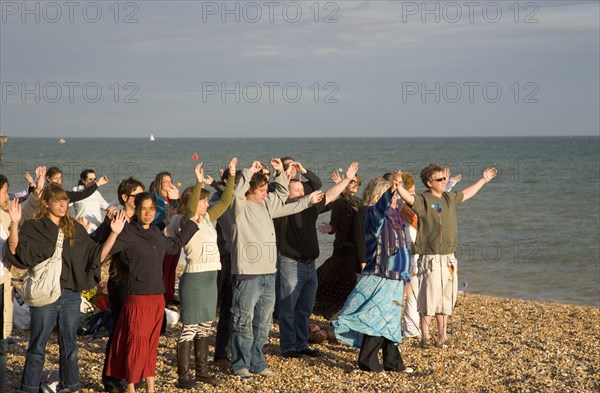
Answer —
201 352
185 380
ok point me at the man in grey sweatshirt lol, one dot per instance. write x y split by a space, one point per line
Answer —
254 261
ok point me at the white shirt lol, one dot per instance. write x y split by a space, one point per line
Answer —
91 209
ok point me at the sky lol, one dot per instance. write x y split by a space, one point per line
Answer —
299 68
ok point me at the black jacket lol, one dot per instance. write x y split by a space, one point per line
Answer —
142 252
81 261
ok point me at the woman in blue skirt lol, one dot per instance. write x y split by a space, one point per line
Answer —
371 316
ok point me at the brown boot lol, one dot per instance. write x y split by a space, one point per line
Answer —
201 352
185 380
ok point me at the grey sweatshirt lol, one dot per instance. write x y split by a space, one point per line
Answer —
254 248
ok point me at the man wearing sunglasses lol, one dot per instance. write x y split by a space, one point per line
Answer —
436 244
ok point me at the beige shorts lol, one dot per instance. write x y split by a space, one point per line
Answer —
439 286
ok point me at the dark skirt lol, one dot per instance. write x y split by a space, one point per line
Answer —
134 350
337 278
198 297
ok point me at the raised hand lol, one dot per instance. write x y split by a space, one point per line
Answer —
102 181
118 222
199 172
208 179
28 178
276 164
14 210
316 196
335 177
325 228
40 178
232 165
111 212
489 174
173 193
351 171
85 223
256 166
299 167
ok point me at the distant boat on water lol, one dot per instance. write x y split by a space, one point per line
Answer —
62 141
152 139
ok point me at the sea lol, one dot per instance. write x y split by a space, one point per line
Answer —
532 233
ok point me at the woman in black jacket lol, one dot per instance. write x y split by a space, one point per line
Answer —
81 257
142 247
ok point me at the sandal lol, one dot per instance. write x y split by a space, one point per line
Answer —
446 343
426 343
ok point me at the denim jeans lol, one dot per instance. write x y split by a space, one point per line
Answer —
296 291
251 317
65 311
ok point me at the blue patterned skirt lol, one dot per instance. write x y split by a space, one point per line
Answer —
374 308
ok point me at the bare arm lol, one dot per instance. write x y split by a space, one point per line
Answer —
474 188
336 190
14 210
405 195
116 227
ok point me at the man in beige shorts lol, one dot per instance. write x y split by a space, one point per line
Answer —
436 243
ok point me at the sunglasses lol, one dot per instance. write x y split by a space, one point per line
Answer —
355 182
441 179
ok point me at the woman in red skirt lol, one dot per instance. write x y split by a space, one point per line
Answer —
142 246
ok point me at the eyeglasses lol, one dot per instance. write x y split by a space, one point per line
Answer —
355 182
441 179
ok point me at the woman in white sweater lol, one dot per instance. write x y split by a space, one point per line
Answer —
198 284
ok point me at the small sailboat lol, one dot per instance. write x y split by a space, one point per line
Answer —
152 139
62 141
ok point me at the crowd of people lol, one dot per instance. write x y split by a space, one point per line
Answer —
250 256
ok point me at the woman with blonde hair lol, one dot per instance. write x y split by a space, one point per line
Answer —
370 318
81 257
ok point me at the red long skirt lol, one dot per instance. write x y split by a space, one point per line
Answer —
134 350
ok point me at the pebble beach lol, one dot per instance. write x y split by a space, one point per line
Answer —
499 345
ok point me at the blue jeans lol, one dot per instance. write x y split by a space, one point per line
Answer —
296 291
65 311
251 317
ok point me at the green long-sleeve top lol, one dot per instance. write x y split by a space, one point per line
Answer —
201 252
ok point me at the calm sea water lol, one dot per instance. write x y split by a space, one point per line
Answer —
533 233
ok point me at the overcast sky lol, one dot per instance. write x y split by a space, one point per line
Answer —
278 68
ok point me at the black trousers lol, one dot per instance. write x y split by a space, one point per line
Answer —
368 359
116 297
222 350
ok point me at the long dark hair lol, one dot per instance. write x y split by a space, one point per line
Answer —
83 176
141 197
